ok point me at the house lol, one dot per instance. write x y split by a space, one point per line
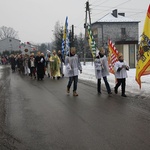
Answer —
28 48
9 44
122 31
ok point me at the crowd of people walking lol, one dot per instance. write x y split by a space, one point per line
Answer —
38 65
52 65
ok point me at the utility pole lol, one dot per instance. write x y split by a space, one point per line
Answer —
88 9
87 12
72 36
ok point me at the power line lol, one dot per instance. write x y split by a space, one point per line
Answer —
113 6
120 8
94 2
100 4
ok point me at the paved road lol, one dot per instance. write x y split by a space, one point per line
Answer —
41 116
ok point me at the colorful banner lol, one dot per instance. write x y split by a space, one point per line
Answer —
143 64
112 56
92 43
65 40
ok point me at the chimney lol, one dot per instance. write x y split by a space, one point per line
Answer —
114 13
121 14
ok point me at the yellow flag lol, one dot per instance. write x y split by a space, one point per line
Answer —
143 64
65 29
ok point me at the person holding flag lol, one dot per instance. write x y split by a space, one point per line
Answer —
102 70
121 68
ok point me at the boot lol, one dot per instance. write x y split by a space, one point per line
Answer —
75 94
68 90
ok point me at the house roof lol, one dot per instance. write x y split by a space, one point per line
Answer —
10 38
111 18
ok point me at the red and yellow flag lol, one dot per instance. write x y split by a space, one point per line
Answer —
112 57
143 64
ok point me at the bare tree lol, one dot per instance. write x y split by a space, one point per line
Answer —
58 35
6 32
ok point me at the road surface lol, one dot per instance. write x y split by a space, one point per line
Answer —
40 115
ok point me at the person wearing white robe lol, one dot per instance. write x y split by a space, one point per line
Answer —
72 68
102 70
121 68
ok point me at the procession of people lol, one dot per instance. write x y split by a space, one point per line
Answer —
55 66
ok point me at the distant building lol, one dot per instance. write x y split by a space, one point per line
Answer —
122 31
9 44
28 48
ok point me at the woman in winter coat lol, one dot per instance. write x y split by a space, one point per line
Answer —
102 71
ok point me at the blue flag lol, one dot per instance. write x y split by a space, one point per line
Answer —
65 40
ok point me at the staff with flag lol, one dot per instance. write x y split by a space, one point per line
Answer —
112 57
118 67
65 40
143 64
92 42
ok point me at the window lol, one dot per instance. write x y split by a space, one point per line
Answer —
132 56
119 48
123 31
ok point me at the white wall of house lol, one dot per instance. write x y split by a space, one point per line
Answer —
126 53
26 49
9 44
130 53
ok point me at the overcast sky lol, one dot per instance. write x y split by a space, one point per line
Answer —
34 20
